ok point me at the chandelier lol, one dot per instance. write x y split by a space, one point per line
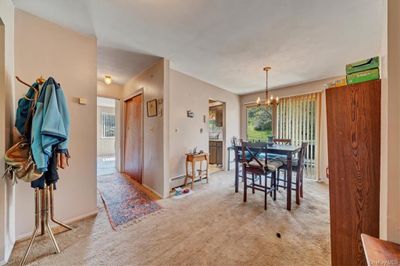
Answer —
269 100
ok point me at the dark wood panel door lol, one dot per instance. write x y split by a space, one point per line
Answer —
219 116
213 153
353 119
133 138
219 152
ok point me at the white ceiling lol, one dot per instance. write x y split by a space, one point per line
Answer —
121 65
227 42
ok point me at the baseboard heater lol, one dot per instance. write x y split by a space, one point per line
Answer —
179 181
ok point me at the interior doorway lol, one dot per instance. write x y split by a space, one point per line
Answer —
107 136
133 140
216 131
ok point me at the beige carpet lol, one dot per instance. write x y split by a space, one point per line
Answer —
210 227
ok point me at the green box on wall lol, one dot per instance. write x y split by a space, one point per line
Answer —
371 74
362 65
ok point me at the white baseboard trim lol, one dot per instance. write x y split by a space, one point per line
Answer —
152 190
9 251
179 181
7 255
26 236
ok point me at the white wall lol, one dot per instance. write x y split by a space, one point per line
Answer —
186 93
44 48
151 81
310 87
7 113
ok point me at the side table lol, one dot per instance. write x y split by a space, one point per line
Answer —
192 159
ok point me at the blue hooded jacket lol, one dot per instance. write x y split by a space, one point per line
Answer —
50 124
23 110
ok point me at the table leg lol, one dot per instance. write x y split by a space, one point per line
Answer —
236 175
187 173
193 174
207 168
245 185
200 172
297 188
289 182
229 159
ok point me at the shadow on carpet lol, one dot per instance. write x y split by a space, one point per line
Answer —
124 202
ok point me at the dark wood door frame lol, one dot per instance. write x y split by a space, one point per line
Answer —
123 129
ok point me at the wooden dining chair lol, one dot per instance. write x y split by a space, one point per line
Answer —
298 168
237 144
257 164
281 141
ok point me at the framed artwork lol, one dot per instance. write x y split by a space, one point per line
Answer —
152 108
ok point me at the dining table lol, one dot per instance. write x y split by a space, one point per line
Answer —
275 149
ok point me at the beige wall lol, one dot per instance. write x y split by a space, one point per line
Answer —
113 90
7 113
151 82
44 48
315 86
105 146
390 147
186 93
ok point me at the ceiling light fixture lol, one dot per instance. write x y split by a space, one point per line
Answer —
107 80
268 100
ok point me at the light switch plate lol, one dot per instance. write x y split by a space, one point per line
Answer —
83 101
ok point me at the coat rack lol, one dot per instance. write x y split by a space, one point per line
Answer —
44 211
44 200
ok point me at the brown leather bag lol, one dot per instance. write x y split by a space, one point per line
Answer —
18 158
20 163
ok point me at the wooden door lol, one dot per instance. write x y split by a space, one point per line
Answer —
353 119
133 138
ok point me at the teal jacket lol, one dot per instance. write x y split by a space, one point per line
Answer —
50 124
23 111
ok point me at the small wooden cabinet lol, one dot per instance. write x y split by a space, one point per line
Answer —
353 119
215 151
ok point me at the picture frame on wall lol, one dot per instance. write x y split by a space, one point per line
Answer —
152 108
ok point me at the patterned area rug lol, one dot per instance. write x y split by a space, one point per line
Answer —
124 202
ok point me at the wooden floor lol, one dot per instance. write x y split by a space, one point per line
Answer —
144 189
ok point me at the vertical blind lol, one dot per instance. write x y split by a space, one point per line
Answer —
298 119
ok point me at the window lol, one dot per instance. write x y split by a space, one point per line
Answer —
108 125
298 120
259 123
